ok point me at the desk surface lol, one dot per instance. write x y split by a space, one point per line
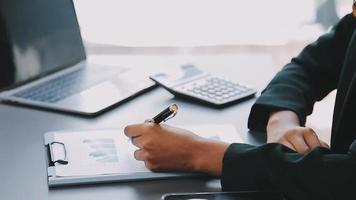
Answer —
22 155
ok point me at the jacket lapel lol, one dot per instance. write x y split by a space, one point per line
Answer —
344 120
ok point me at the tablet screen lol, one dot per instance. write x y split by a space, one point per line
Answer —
225 196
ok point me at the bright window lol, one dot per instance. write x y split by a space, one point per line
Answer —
200 22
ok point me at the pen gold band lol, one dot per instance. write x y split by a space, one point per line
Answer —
173 108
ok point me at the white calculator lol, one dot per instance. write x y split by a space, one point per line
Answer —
191 83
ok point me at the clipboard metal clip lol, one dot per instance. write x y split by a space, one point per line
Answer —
53 147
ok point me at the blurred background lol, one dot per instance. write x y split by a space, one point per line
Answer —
280 28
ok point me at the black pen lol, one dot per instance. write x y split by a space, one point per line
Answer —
165 115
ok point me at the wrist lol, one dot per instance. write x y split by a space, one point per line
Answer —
208 156
282 118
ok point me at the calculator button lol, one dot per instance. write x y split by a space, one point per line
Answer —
203 94
211 96
215 90
204 89
229 90
212 90
236 93
219 98
226 96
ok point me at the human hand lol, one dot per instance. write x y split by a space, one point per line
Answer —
165 148
283 127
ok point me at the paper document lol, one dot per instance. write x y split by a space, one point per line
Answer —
103 152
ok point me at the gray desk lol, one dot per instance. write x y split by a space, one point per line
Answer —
22 156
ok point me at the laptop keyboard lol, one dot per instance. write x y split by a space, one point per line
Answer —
56 89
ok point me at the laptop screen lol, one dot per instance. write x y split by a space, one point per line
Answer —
37 37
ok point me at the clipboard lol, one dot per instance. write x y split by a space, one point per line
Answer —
105 156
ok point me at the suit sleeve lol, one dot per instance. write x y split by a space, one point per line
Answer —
308 78
317 175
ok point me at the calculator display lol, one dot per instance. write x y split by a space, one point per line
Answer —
179 75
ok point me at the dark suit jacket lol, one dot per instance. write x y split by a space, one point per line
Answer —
325 65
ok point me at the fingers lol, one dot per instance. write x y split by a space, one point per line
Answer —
137 141
300 139
139 154
132 131
298 143
305 140
289 145
311 138
137 130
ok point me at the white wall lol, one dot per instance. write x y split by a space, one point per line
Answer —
195 22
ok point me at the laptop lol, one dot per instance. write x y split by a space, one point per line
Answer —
43 62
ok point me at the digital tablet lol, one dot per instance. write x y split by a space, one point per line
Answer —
250 195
